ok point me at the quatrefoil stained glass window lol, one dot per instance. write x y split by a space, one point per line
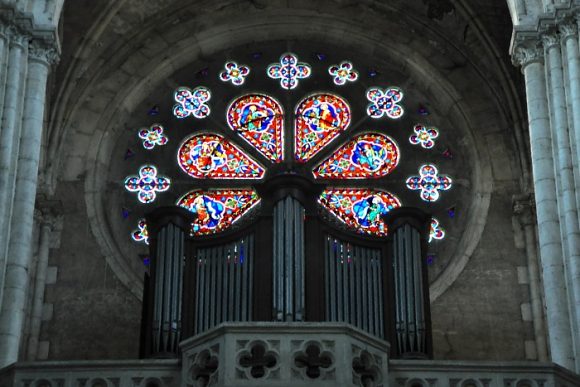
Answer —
345 136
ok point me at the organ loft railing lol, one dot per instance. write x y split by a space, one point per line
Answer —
290 266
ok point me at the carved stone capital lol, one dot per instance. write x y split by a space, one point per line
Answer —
550 39
16 37
528 52
41 51
568 29
524 209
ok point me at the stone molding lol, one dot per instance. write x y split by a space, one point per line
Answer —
550 39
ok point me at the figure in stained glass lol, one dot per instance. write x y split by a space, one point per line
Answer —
259 120
212 156
370 155
319 119
360 209
217 210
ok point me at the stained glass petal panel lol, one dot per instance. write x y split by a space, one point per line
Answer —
360 209
259 119
218 209
210 156
319 119
370 155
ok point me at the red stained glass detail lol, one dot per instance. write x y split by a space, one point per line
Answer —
217 210
360 209
319 120
370 155
212 156
259 119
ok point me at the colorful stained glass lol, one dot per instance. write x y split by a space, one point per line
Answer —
342 73
192 102
385 102
424 135
212 156
429 182
289 71
234 73
217 210
319 120
147 184
141 234
436 232
360 209
259 119
370 155
153 136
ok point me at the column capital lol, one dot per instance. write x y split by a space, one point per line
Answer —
16 37
528 52
49 213
42 51
524 208
550 39
568 29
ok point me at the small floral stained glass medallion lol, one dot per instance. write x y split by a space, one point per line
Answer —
217 210
429 182
153 136
385 102
320 118
289 71
370 155
210 156
259 120
360 209
234 73
424 136
192 102
342 73
147 184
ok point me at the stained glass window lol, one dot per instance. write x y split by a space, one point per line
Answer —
234 73
436 232
212 156
370 155
147 184
424 135
192 102
342 73
217 209
385 102
259 119
429 182
141 234
360 209
319 119
289 71
153 136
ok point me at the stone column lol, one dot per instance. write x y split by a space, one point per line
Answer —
9 139
530 57
19 250
523 209
48 222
